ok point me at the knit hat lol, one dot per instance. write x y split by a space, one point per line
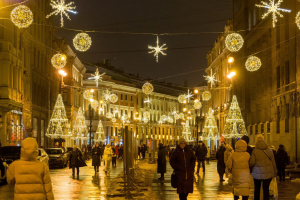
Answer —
260 137
181 139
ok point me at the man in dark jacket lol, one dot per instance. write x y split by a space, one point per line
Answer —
76 160
221 164
96 160
162 161
282 160
201 153
183 162
246 139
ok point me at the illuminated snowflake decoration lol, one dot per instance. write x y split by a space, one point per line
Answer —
158 49
170 120
82 42
114 120
177 116
234 42
148 100
88 94
113 98
21 16
59 61
211 79
274 9
164 118
146 120
147 114
61 8
97 76
181 116
298 20
253 63
206 96
147 88
189 96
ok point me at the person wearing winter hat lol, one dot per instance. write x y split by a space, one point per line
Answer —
30 177
183 162
246 139
264 167
282 160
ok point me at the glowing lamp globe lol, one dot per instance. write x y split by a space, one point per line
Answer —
253 63
87 94
197 104
147 88
113 98
182 98
206 96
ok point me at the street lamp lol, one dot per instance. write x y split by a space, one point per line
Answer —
231 74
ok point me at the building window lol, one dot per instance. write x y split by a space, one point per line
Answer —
137 101
131 115
287 72
125 97
278 76
262 128
131 98
121 96
256 129
268 127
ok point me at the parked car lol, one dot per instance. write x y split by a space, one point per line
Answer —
43 156
3 178
71 149
57 156
67 152
10 153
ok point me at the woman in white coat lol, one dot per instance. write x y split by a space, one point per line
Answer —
107 157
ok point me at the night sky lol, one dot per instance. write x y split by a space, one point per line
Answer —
130 52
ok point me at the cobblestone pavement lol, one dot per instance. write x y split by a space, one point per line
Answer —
90 186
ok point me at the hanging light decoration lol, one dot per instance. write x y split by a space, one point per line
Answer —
113 98
298 20
177 116
82 42
147 114
59 61
197 104
206 96
170 120
21 16
234 42
253 63
182 98
114 120
147 88
158 49
109 115
146 120
164 118
87 94
181 116
95 104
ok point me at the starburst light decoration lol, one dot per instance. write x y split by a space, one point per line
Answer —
59 61
145 120
186 133
147 100
210 130
206 96
109 115
88 94
147 88
197 104
253 63
158 49
58 120
189 96
234 42
298 19
82 42
97 76
182 98
94 104
273 9
21 16
234 124
113 98
211 79
61 8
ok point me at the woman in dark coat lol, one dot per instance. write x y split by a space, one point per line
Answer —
96 162
162 161
121 152
221 164
183 162
282 160
76 160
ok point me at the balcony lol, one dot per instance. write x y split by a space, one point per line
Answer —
284 89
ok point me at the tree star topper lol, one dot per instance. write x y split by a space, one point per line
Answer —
97 76
60 7
274 9
156 50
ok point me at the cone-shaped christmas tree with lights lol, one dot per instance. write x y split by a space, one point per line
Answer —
100 133
186 134
80 129
58 121
211 131
234 125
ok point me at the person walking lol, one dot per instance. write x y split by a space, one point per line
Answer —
144 149
221 163
107 157
264 167
183 162
246 139
227 154
96 159
282 160
201 153
161 161
76 160
30 177
238 165
121 152
117 151
208 155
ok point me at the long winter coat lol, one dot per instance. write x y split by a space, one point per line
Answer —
117 150
201 152
108 152
264 166
183 162
227 153
220 158
161 160
96 152
238 165
281 158
30 177
76 159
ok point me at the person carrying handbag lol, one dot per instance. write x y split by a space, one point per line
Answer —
263 166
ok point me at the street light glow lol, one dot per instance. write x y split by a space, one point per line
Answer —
230 60
232 74
196 91
62 72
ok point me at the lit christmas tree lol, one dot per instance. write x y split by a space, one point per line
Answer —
58 121
80 129
100 133
211 130
234 125
186 134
